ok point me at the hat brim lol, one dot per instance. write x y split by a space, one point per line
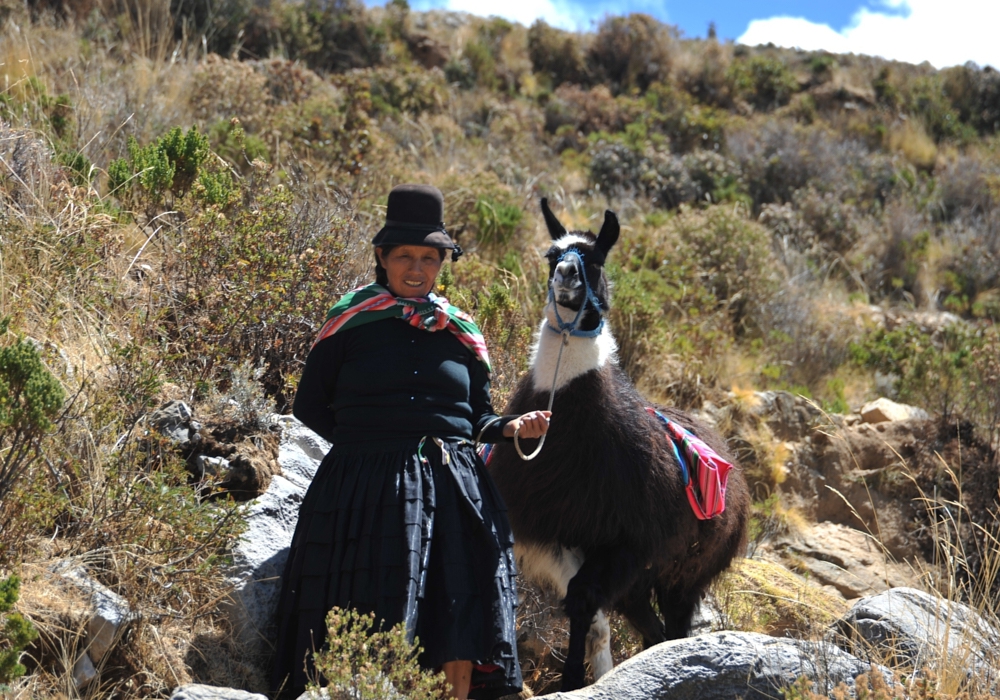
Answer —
397 235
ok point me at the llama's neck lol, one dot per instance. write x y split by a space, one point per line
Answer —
581 355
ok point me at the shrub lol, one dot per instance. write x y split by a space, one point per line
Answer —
255 279
587 111
223 89
408 90
688 125
927 369
225 25
16 634
762 81
927 99
735 259
369 663
778 158
631 52
716 176
170 164
702 70
496 221
30 400
556 54
896 258
621 169
332 35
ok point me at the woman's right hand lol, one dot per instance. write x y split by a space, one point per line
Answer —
530 425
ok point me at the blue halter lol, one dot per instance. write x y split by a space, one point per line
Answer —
570 326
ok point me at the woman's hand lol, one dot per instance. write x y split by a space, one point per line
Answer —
530 425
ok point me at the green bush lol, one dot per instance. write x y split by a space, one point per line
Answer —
556 54
735 259
762 81
30 400
16 634
169 165
368 663
256 277
496 221
629 52
332 35
926 369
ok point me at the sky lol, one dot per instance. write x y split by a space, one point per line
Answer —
943 32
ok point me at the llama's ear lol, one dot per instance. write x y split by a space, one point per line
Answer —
556 230
609 232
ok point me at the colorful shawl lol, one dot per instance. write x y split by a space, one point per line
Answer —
374 302
706 487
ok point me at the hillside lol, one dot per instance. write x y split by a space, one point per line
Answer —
186 186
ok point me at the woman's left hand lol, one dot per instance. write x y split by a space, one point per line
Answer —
530 425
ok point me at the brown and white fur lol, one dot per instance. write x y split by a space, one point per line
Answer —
601 514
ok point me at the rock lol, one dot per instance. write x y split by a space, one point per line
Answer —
174 421
83 671
856 476
882 410
916 629
109 611
259 557
724 665
196 691
789 417
210 467
839 556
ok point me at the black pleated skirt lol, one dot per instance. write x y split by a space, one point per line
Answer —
409 531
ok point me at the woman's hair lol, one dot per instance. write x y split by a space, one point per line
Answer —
380 275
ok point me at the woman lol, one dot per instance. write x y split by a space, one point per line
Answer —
402 519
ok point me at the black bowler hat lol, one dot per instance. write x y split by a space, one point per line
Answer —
415 216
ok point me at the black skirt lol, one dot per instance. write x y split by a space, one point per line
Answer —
409 531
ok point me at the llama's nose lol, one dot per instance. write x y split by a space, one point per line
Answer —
566 275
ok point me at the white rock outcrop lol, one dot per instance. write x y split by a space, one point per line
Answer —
259 557
195 691
922 631
722 666
883 410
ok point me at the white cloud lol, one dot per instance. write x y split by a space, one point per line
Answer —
944 33
558 14
565 14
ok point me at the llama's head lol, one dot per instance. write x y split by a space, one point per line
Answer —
576 269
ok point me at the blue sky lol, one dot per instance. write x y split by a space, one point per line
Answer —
943 32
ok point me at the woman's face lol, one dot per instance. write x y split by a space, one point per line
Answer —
411 269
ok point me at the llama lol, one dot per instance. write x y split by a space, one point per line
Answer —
601 515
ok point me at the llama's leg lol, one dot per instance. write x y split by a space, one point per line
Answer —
604 577
599 645
583 599
677 607
638 610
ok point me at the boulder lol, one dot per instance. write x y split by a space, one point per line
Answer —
882 410
918 630
724 665
841 557
789 417
259 557
83 671
195 691
108 613
175 421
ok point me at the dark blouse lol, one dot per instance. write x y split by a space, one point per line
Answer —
387 380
